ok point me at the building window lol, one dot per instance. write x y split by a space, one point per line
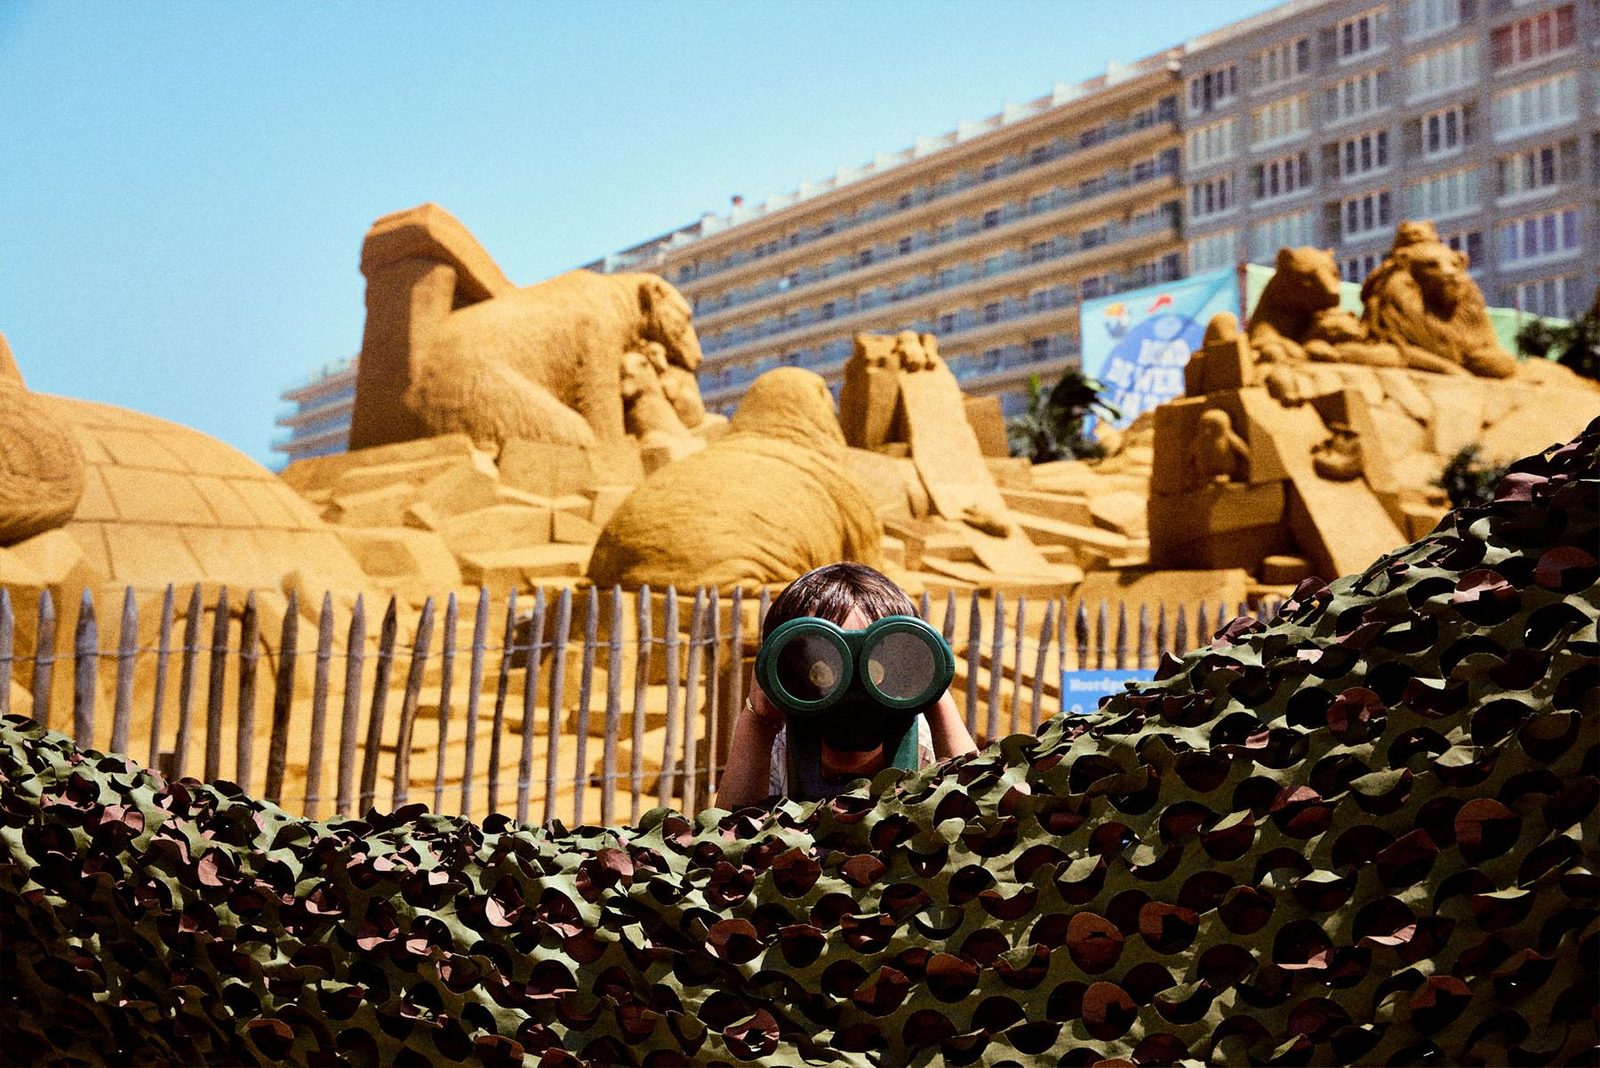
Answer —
1366 214
1213 143
991 218
1280 231
1091 287
1361 35
1357 96
904 246
1470 242
1038 349
1281 177
1444 132
1213 89
1441 70
1533 38
1538 237
1553 298
1363 153
864 257
1424 18
1535 106
1356 268
1536 169
1279 121
1214 251
1212 197
1443 195
1282 63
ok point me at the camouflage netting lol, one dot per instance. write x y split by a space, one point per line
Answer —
1365 833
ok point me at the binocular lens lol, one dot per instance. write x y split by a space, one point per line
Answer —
901 666
810 668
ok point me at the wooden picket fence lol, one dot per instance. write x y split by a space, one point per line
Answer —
1009 660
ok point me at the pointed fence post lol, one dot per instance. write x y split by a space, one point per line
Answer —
355 651
44 658
1146 654
497 726
400 791
216 684
127 649
608 758
380 704
192 618
1202 625
85 671
249 655
591 637
948 628
1061 654
530 712
558 683
480 640
158 701
715 742
1046 627
667 781
923 606
8 637
1016 664
641 688
997 654
1081 624
735 700
1163 639
447 667
1122 636
1102 636
319 707
974 662
691 714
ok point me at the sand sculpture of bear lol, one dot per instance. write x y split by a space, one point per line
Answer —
770 499
41 469
1298 316
451 345
1421 300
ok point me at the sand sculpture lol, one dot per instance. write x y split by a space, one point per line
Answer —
1359 834
41 469
771 498
1341 444
452 346
907 423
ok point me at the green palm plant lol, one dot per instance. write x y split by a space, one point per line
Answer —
1053 426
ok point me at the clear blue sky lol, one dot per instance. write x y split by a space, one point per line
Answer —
184 187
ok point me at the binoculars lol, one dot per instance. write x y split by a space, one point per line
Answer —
856 690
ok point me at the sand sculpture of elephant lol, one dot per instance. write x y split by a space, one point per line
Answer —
451 345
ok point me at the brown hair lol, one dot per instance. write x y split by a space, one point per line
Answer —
831 591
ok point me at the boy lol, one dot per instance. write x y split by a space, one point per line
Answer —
851 596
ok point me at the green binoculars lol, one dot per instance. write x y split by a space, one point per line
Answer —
853 690
899 664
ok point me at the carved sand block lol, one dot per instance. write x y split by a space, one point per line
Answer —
41 468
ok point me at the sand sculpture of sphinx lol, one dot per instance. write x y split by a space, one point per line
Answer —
768 500
451 345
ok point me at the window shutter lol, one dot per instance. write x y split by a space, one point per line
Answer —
1332 227
1468 114
1411 139
1328 46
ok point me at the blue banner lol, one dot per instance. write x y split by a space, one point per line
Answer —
1081 691
1136 343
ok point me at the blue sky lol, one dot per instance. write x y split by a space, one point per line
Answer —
184 186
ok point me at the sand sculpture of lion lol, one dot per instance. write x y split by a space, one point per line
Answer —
1421 300
451 345
768 500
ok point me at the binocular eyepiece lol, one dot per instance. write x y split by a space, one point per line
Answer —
856 690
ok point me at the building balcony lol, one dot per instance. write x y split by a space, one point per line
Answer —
1017 227
1121 241
1116 142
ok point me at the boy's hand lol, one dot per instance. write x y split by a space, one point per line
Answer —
763 714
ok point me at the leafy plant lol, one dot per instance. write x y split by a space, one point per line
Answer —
1053 426
1467 479
1575 345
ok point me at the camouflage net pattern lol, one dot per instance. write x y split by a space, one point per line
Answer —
1364 833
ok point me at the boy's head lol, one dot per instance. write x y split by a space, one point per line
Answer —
851 596
831 592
